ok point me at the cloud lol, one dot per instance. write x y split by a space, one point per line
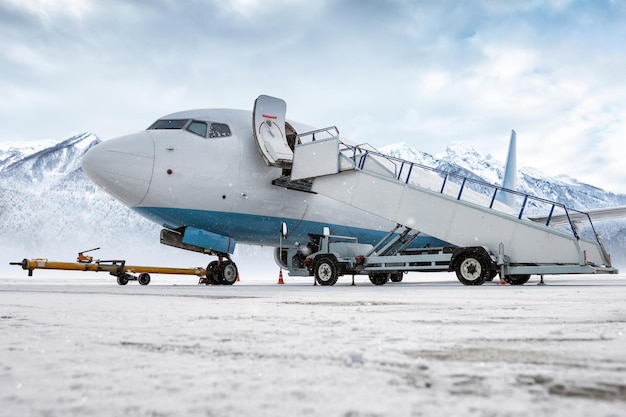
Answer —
425 73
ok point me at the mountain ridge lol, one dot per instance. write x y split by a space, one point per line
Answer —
48 205
466 161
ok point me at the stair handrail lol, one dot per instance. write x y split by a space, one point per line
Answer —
313 132
364 154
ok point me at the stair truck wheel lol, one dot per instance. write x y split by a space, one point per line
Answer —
379 278
228 273
472 267
517 279
144 278
492 275
396 276
325 270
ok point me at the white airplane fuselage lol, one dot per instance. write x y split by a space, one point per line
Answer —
221 185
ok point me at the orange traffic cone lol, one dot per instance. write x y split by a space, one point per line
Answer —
280 277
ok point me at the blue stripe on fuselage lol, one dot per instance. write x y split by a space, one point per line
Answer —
264 230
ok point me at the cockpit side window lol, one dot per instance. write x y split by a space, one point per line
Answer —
199 128
219 130
169 124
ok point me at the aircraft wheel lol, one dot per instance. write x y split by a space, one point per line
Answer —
213 273
122 279
228 273
396 276
472 269
379 278
325 270
144 278
517 279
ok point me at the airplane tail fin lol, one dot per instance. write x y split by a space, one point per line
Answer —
510 173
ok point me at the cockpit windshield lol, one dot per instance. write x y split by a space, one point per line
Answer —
169 124
200 128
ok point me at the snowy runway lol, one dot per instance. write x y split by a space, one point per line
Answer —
85 346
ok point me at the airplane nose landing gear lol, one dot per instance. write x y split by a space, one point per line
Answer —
220 272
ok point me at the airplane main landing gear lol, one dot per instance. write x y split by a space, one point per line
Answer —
220 272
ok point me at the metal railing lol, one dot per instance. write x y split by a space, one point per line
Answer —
451 184
324 133
456 185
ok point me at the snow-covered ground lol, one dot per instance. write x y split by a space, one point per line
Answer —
79 344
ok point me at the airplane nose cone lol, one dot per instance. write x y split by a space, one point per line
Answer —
122 166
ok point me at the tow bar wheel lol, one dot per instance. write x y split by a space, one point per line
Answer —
325 270
472 269
144 278
122 279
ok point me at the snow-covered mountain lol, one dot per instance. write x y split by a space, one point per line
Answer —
465 161
11 152
49 208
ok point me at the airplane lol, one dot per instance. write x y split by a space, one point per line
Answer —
216 177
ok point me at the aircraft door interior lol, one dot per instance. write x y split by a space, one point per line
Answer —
274 137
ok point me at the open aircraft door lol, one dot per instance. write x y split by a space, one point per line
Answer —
270 133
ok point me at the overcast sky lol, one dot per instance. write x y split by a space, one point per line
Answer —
427 73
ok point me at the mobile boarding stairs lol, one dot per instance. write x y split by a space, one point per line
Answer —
486 237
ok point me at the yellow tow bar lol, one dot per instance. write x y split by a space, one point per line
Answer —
116 268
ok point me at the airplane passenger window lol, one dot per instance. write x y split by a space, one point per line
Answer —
169 124
199 128
219 130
